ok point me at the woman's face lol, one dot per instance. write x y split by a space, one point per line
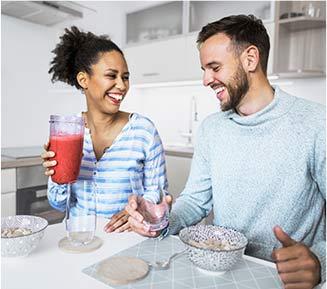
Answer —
108 83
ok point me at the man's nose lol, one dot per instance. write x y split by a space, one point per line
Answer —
207 78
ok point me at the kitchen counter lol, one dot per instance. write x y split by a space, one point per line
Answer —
49 267
15 157
179 151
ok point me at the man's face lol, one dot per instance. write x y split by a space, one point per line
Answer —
223 71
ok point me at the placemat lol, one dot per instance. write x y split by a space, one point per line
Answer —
182 274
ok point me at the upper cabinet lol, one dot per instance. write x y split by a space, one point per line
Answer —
204 12
161 40
155 23
300 44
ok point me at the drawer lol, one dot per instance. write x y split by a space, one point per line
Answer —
8 204
8 180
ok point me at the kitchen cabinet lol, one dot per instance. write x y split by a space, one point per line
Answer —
178 170
157 62
204 12
8 192
300 39
155 22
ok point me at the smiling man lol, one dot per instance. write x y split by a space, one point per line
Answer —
260 162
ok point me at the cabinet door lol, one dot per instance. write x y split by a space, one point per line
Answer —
193 63
8 180
157 62
8 204
178 170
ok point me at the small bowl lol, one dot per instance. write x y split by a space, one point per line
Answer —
213 248
19 246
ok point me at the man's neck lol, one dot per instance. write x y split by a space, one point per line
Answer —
260 94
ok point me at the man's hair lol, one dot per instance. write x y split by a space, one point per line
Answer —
243 31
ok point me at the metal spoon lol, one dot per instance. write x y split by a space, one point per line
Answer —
164 265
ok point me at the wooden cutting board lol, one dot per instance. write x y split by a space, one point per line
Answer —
122 270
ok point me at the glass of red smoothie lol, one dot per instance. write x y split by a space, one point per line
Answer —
66 141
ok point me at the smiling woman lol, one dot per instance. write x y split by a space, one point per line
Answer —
116 143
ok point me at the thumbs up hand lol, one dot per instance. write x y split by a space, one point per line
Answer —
297 266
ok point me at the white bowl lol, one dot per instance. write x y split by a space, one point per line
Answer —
213 248
22 245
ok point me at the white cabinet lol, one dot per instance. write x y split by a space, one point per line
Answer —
156 62
300 41
270 27
178 170
8 192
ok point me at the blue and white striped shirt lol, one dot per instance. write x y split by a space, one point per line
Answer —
135 163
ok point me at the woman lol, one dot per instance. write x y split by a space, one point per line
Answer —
118 146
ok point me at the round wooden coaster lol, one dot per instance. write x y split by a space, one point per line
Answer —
65 245
122 270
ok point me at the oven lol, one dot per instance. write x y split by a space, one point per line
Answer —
31 194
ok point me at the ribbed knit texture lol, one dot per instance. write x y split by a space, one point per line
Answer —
259 171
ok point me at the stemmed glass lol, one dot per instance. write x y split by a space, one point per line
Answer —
155 213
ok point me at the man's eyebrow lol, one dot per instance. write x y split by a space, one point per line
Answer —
211 63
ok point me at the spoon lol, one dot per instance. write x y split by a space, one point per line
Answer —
164 265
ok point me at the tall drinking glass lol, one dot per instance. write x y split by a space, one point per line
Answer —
81 214
155 214
66 140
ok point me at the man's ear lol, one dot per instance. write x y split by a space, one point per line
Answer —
82 79
250 58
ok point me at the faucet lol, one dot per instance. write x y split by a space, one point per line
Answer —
193 117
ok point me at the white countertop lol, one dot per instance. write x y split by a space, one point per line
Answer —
47 267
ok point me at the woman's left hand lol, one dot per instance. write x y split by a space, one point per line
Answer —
118 223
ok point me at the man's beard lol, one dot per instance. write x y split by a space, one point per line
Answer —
237 87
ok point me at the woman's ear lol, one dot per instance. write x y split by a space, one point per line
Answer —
250 58
82 79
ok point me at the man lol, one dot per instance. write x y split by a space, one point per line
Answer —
259 162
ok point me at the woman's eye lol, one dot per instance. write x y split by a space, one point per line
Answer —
111 76
126 78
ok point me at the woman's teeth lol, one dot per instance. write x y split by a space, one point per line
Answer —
117 97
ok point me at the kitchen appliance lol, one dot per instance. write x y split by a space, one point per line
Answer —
31 194
31 185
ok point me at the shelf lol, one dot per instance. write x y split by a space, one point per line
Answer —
303 23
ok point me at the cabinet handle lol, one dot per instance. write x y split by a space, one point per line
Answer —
150 74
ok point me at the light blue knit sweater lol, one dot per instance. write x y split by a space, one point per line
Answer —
259 171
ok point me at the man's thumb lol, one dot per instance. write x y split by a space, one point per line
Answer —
282 237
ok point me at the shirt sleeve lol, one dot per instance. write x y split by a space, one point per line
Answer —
195 202
57 195
155 169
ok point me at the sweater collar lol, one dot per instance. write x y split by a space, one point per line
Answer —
281 104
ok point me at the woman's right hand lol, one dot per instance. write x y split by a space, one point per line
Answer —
48 164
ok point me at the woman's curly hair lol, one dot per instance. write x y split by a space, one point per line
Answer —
78 51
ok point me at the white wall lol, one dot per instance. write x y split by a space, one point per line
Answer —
169 107
28 97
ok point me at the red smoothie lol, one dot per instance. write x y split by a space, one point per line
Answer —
68 150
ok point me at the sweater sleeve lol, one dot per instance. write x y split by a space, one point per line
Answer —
154 169
195 202
57 195
319 176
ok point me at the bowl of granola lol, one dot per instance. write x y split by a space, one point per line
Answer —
214 249
21 234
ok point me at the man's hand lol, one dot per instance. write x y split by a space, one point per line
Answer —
136 219
118 223
297 266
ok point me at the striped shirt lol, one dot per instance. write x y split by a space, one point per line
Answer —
134 164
